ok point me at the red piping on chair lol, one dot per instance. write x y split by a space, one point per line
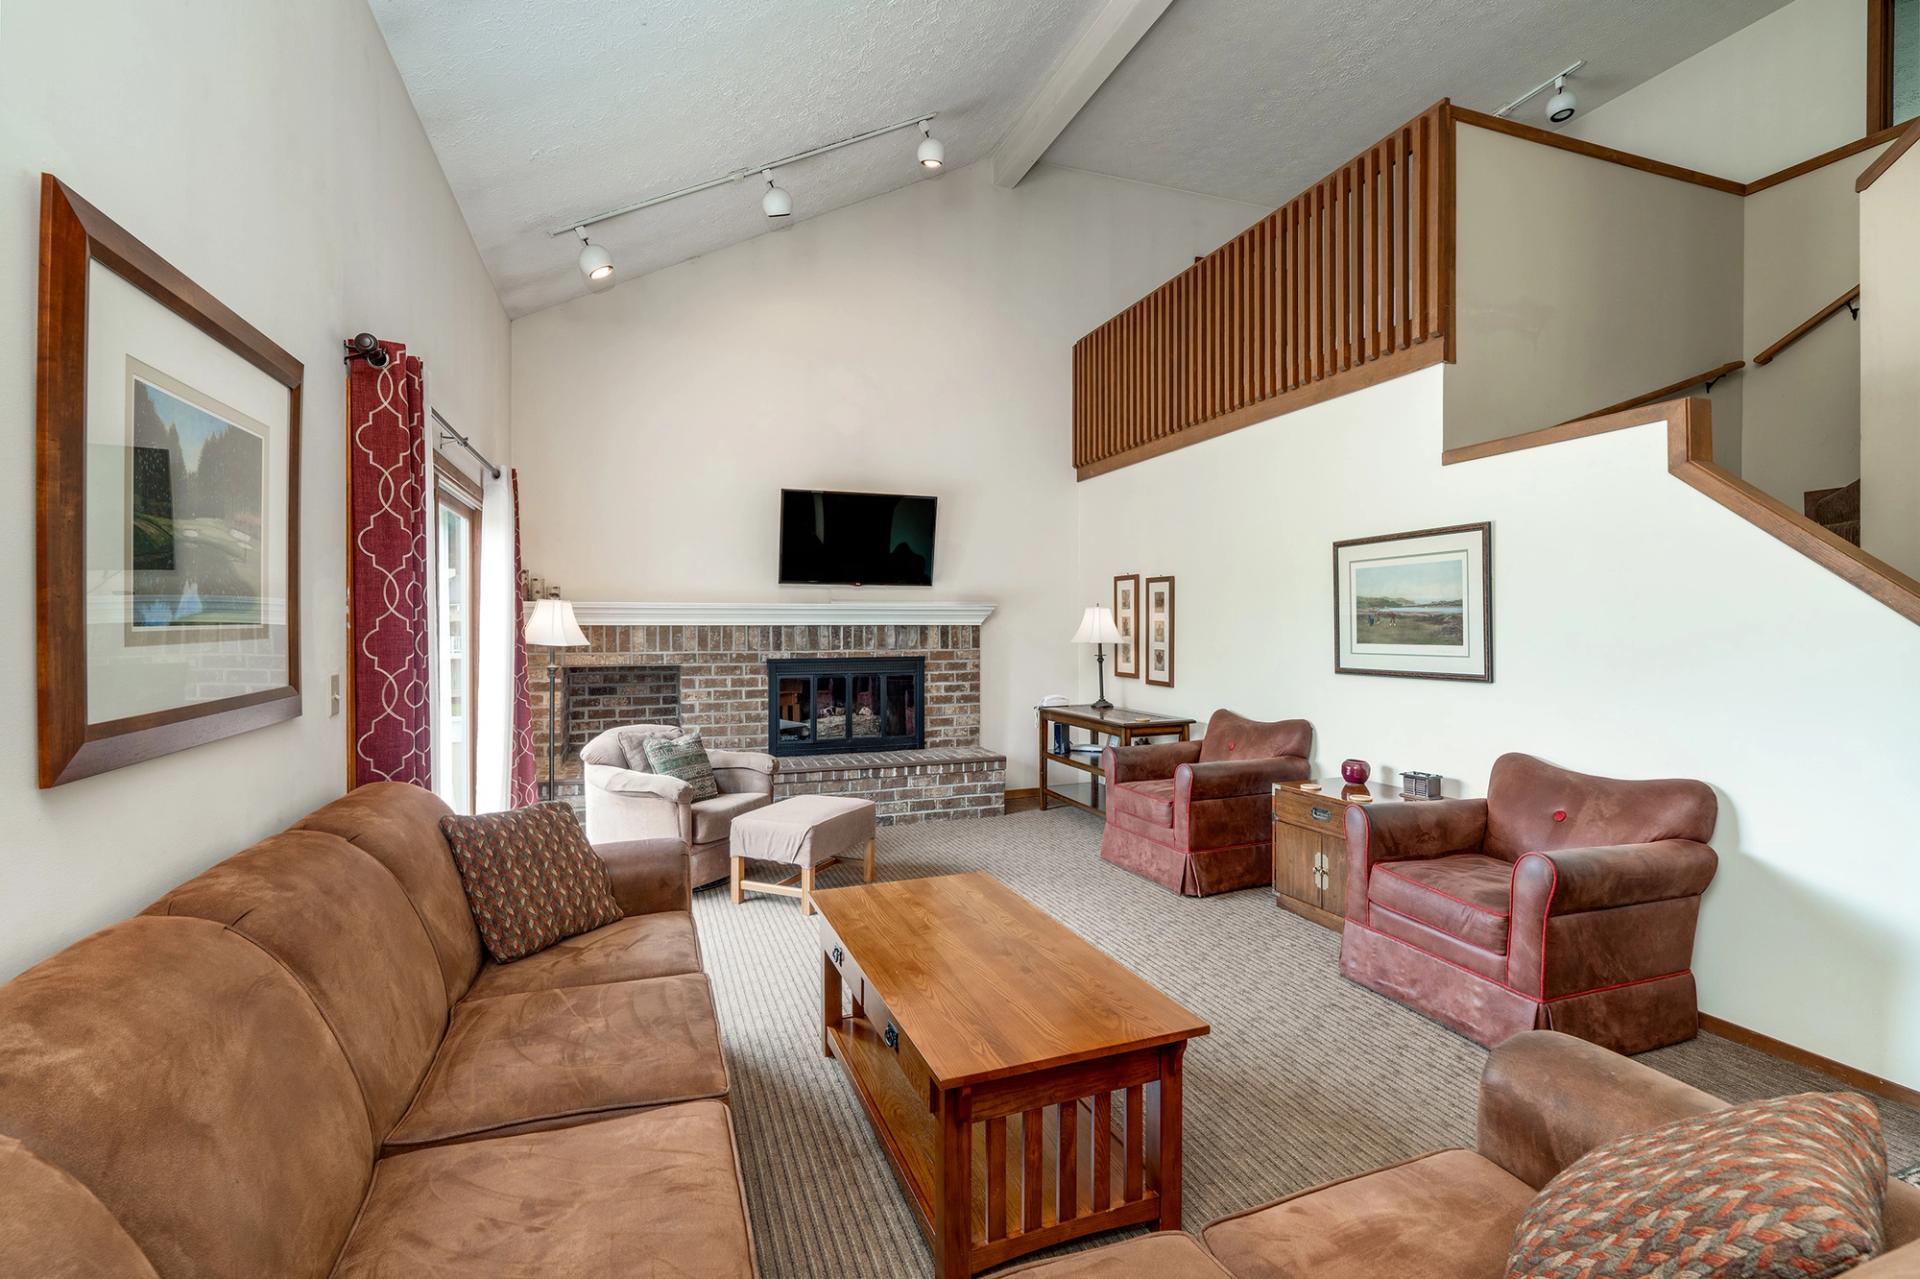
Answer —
1384 869
1574 994
1546 916
1187 852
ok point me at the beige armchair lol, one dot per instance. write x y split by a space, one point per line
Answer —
624 803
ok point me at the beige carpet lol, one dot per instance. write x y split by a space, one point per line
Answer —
1305 1077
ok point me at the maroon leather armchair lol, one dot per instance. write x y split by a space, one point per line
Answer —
1197 816
1560 901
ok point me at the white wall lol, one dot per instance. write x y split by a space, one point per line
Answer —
1790 86
270 152
919 342
1890 366
1583 284
1611 581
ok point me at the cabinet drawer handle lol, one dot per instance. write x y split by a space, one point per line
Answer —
893 1037
1322 814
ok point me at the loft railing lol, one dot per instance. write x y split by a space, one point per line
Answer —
1349 282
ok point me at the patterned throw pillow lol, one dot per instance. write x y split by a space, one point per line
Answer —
1788 1187
686 759
531 878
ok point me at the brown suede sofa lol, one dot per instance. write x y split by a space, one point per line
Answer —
1545 1100
300 1064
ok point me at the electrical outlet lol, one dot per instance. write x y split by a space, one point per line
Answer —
333 695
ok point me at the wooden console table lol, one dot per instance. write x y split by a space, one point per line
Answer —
1121 725
1026 1087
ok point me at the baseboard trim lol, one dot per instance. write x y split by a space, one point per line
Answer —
1813 1061
1022 798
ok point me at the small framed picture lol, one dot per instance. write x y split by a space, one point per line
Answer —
1418 605
1159 637
1126 616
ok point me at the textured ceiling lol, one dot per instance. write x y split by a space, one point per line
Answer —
1257 99
542 112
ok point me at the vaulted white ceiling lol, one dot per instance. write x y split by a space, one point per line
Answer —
543 112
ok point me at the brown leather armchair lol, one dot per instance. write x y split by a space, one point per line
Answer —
1560 901
1198 816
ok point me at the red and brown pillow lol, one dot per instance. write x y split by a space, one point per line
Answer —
1790 1187
531 878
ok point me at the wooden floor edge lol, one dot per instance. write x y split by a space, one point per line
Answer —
1409 359
1780 1048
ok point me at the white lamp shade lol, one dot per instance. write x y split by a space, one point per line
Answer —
1096 626
552 625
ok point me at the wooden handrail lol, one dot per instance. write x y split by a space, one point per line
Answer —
1808 325
1664 393
1884 161
1349 281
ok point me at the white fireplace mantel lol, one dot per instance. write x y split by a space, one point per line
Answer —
816 613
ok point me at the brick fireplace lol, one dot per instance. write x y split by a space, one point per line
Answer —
708 667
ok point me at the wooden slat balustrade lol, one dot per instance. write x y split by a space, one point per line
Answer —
1350 281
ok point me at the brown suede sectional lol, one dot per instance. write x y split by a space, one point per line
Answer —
300 1063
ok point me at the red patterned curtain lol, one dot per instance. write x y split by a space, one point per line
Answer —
392 724
523 788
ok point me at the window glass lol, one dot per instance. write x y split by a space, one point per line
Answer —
1906 60
453 620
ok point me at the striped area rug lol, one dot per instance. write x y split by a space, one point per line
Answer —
1305 1078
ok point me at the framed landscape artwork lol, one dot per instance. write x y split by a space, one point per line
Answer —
1418 605
1159 631
1126 616
169 447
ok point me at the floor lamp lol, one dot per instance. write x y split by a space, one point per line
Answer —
552 626
1097 629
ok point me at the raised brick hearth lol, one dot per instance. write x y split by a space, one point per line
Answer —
714 678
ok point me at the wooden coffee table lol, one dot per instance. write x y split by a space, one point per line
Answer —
1025 1085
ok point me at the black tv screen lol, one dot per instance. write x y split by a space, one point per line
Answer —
855 539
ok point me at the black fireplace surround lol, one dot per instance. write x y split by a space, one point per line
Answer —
826 706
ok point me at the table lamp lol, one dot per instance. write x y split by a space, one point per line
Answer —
552 626
1097 629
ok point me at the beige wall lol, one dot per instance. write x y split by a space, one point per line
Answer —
1583 284
1890 367
919 342
1610 580
271 153
1800 421
1789 86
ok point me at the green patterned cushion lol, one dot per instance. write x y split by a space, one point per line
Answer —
685 758
1789 1188
531 878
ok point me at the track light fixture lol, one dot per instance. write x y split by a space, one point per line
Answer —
776 203
1560 107
595 262
932 154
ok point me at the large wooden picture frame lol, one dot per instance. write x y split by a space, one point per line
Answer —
1126 616
1417 605
252 627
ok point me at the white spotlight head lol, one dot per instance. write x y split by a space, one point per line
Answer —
595 262
776 203
932 154
1562 105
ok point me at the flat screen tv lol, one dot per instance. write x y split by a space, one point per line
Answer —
855 539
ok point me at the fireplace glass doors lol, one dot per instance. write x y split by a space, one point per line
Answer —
838 705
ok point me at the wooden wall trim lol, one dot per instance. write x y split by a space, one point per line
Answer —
1597 425
1397 364
1885 160
1807 325
1594 151
1877 1084
1821 161
1690 459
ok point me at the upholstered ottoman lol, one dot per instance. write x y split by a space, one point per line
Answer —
810 832
1163 1256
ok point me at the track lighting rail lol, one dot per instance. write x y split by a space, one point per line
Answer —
574 225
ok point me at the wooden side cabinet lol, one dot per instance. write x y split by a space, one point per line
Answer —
1310 852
